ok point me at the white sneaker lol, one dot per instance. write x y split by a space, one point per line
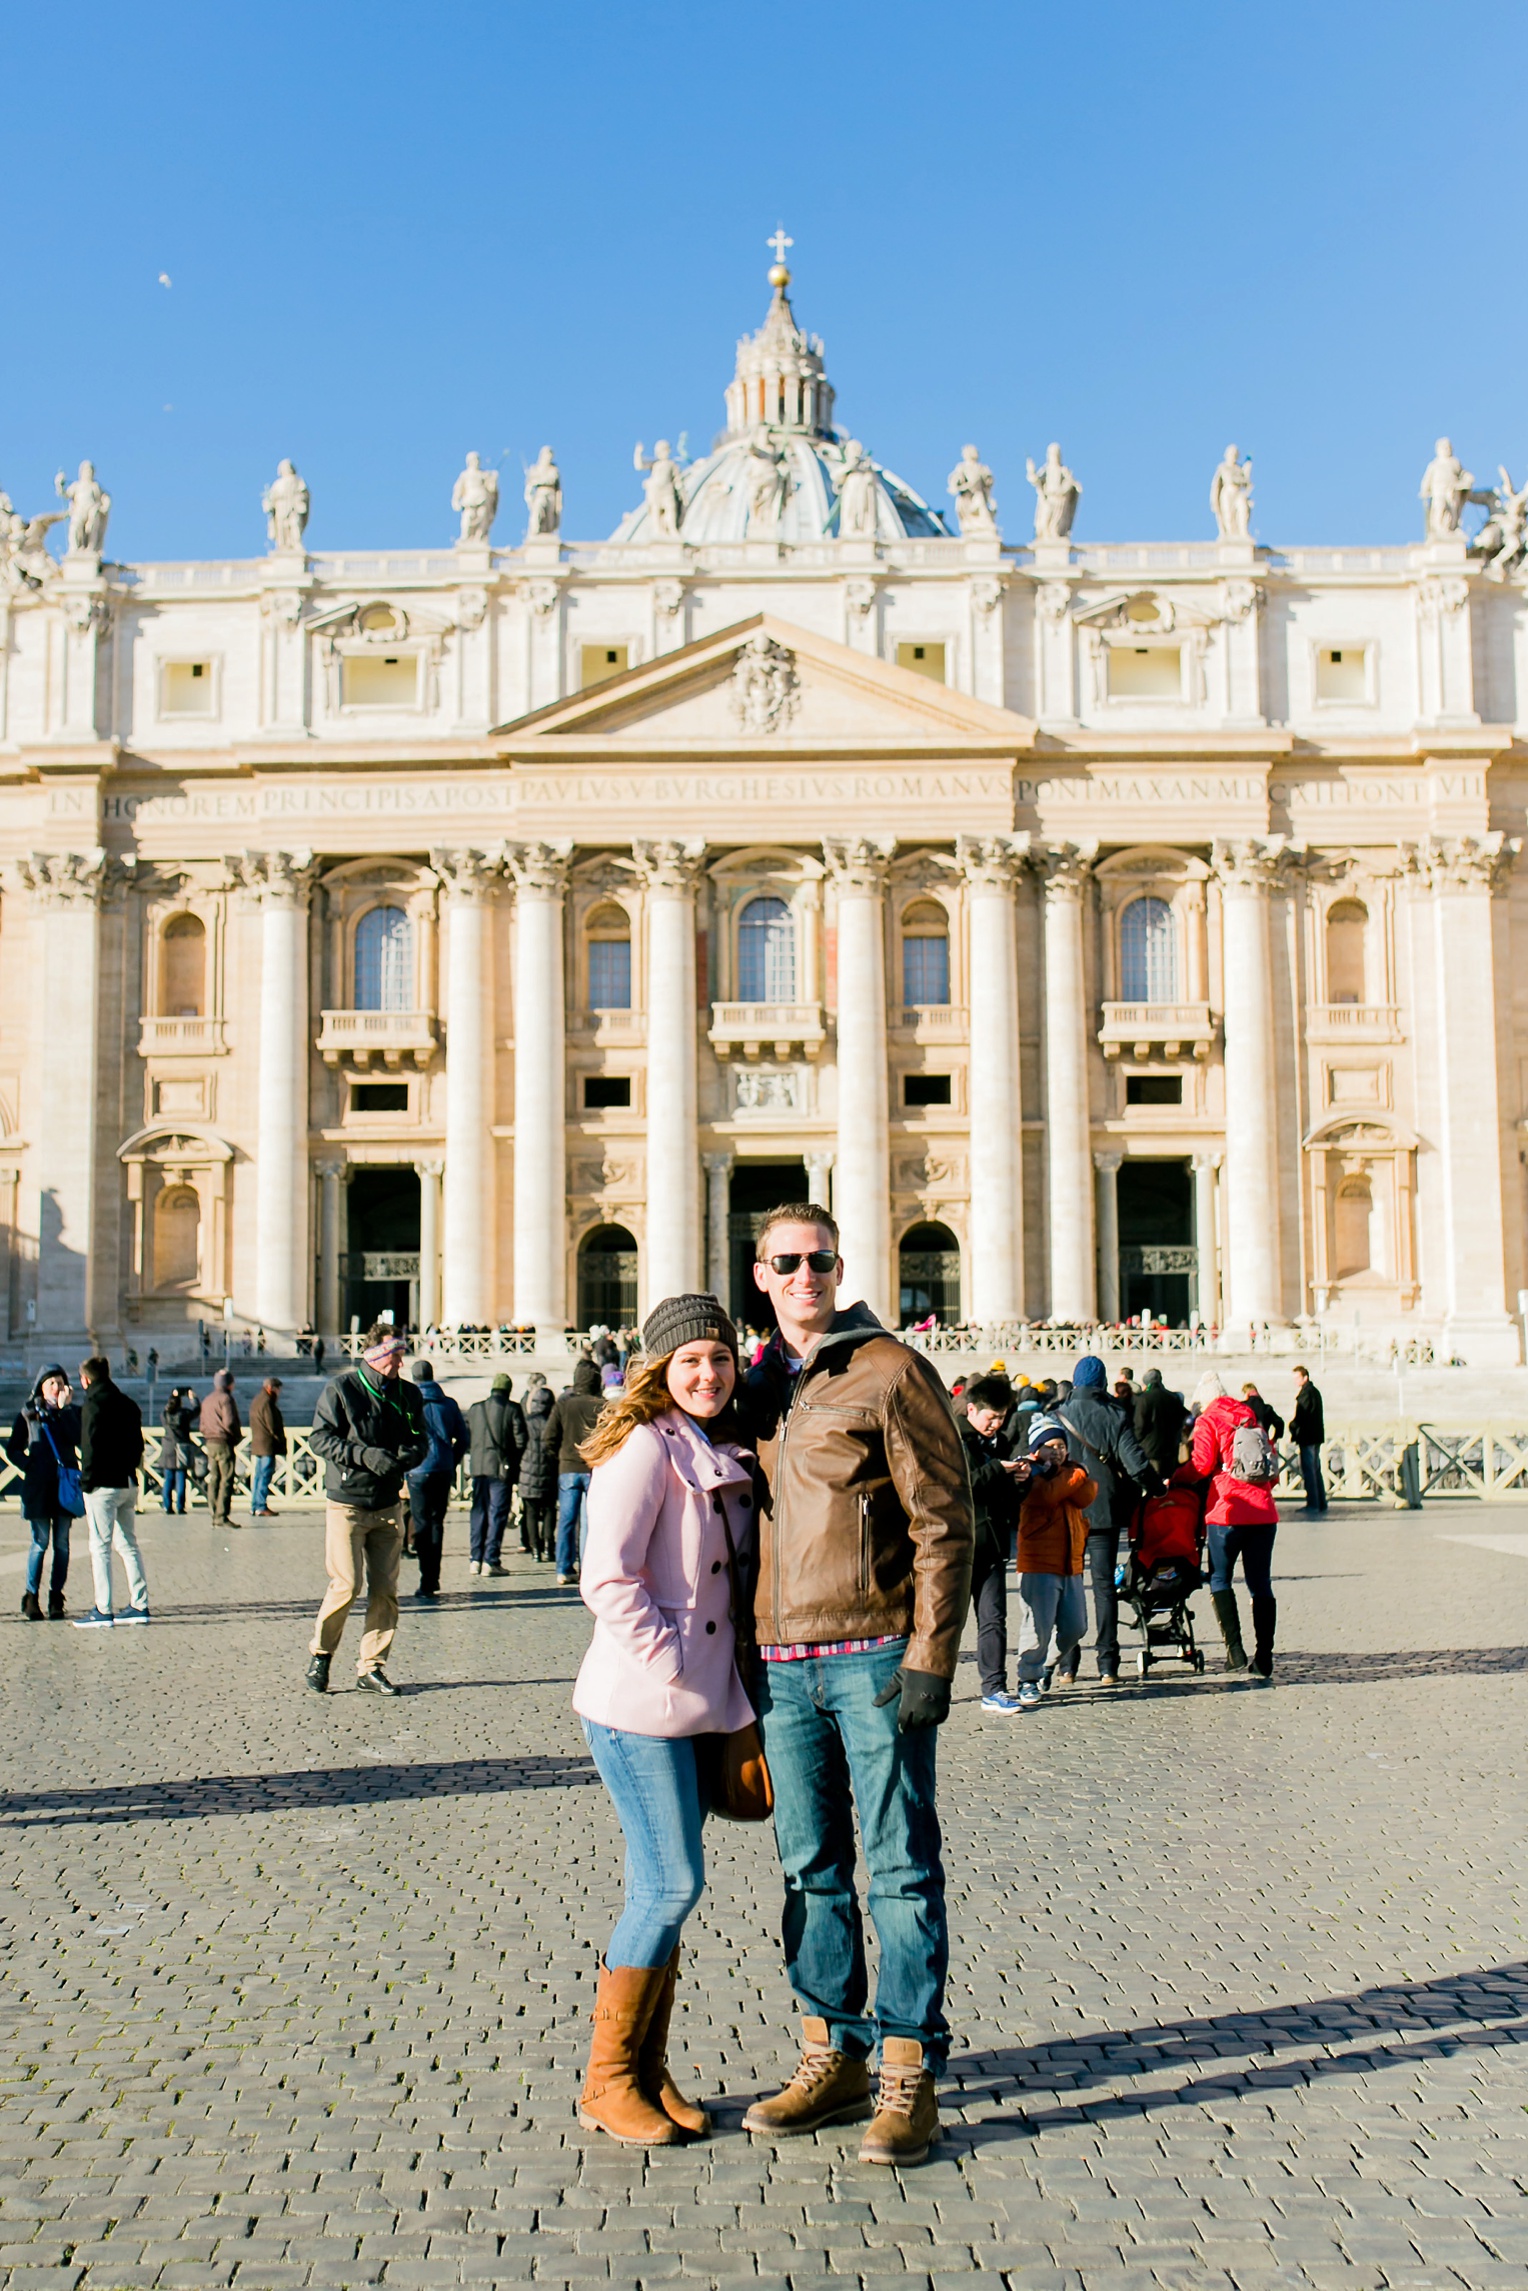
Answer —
474 1567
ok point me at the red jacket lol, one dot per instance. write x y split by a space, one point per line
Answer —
1233 1502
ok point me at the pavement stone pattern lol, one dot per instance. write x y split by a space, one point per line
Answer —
295 1991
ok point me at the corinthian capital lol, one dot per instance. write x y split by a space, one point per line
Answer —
1065 867
671 869
992 862
858 862
283 877
468 875
1255 862
540 870
1464 862
63 878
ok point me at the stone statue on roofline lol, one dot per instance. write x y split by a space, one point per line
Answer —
1231 496
971 483
89 509
286 502
24 560
543 497
856 494
1503 539
1444 490
662 490
1057 493
475 498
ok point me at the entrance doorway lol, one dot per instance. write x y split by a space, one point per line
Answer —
928 1276
1158 1262
607 1278
380 1267
755 1187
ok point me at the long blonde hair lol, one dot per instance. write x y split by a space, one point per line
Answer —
645 1398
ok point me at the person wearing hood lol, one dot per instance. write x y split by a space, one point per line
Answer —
538 1471
864 1582
496 1430
1104 1443
368 1432
175 1450
430 1482
221 1433
44 1447
570 1424
1241 1518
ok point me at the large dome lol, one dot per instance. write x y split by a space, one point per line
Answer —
780 471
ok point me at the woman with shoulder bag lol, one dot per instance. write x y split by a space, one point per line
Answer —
671 1519
44 1446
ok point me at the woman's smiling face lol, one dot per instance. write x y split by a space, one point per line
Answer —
701 1377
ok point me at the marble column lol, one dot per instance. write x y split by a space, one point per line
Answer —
1253 1292
281 881
430 1175
65 890
1208 1299
541 1216
1106 1179
467 1249
995 1249
862 1181
718 1233
332 1176
1460 874
671 1261
1067 870
819 1178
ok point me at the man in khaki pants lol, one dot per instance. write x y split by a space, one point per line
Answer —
369 1429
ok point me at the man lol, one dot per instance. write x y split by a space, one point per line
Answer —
369 1430
1159 1419
569 1425
221 1433
496 1430
1268 1418
111 1449
430 1482
863 1585
1104 1443
1308 1425
995 1497
267 1441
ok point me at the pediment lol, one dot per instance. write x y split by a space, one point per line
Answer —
766 686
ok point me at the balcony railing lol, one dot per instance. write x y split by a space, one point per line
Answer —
935 1021
1171 1027
357 1037
628 1027
779 1027
181 1038
1353 1022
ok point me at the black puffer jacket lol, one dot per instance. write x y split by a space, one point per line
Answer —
538 1465
370 1432
1104 1443
30 1449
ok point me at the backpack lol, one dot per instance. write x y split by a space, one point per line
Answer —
1252 1456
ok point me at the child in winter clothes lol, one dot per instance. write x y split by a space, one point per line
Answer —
1053 1534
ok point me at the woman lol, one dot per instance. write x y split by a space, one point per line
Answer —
174 1451
538 1472
667 1495
45 1435
1242 1519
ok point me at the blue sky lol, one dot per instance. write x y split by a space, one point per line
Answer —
394 232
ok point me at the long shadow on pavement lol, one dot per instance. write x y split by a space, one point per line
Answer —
211 1794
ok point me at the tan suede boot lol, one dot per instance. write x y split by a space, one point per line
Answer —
612 2099
652 2061
827 2088
906 2121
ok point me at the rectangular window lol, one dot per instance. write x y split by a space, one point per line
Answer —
610 974
186 688
379 1097
597 661
925 971
379 680
607 1090
926 1089
1342 672
923 660
1145 672
1153 1089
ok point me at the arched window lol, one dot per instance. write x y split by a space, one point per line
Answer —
384 960
177 1238
183 972
1355 1217
1347 929
925 954
609 959
766 952
1148 952
928 1271
607 1278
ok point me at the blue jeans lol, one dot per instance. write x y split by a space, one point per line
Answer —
1310 1472
260 1484
572 1487
44 1530
1253 1546
656 1790
824 1736
173 1493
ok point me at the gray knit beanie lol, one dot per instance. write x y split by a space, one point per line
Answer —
686 1320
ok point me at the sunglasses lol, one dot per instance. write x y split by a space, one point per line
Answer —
820 1260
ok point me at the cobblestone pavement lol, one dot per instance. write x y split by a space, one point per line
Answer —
295 1991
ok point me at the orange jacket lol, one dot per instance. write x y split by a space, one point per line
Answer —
1053 1524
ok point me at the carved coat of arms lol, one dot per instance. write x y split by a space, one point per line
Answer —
765 686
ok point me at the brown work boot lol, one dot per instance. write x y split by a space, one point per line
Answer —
652 2061
612 2100
827 2088
906 2121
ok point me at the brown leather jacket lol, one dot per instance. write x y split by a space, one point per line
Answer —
868 1527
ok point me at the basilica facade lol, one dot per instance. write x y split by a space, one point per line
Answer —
488 932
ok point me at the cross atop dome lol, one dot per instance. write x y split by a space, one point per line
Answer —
779 276
780 382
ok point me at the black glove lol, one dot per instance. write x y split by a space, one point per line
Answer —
380 1462
925 1699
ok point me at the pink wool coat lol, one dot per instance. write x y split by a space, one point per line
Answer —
655 1577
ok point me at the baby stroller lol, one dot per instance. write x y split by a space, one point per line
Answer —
1163 1569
